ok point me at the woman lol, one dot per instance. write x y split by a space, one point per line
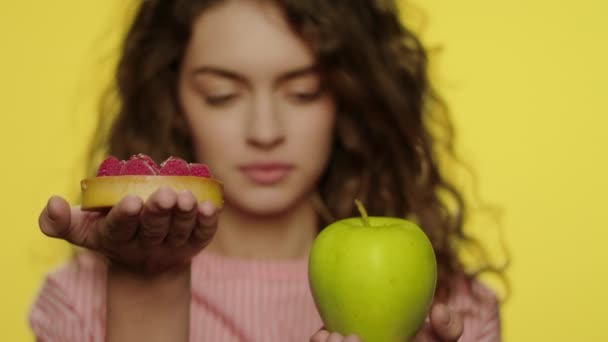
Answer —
298 107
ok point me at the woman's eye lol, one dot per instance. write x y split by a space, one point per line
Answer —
219 100
304 97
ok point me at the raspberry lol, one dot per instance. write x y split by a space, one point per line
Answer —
137 167
148 161
174 166
111 166
199 170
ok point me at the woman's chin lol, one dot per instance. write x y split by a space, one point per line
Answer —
264 203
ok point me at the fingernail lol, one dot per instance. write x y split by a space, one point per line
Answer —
167 199
185 203
206 208
132 206
50 213
164 188
185 192
443 313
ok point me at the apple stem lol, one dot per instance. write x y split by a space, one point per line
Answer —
363 213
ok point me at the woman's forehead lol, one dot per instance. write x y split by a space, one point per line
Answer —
248 35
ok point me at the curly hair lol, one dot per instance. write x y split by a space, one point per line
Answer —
384 153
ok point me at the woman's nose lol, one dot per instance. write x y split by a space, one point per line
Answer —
265 127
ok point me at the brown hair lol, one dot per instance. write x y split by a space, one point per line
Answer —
384 152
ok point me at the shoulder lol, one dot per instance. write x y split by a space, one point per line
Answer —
479 307
69 304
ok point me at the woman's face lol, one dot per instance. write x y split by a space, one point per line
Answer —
258 111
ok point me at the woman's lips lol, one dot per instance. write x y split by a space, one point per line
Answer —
266 173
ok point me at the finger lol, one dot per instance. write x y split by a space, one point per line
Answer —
321 336
121 223
352 338
54 220
184 219
426 334
335 337
207 224
59 220
156 217
447 326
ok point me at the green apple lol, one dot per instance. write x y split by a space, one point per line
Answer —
373 276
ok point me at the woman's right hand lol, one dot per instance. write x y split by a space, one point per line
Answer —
325 336
162 233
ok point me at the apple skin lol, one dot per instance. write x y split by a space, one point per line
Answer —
375 281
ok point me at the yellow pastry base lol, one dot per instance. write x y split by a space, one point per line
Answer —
107 191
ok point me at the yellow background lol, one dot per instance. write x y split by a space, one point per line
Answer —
526 81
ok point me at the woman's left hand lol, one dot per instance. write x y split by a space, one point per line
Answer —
325 336
444 326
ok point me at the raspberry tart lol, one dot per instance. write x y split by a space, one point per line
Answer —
141 176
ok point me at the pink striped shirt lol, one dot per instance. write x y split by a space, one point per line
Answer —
232 300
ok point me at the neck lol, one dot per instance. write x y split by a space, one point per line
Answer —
285 236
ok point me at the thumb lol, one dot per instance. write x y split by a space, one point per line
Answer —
447 325
55 219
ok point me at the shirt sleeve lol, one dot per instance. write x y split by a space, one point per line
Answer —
479 307
489 316
70 304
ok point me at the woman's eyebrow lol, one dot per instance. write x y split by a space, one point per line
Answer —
302 71
218 72
225 73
